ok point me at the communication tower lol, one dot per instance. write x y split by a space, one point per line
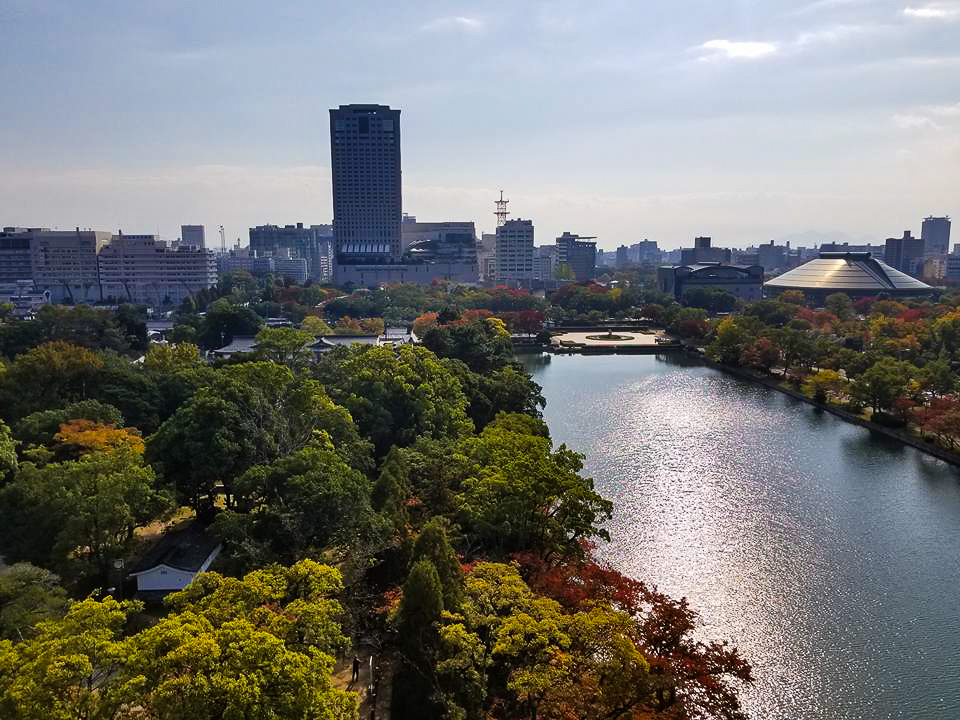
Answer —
501 212
223 241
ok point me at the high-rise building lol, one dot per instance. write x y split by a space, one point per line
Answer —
514 253
579 252
192 236
905 253
935 233
367 202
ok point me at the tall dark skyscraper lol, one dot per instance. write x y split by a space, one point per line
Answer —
935 232
365 162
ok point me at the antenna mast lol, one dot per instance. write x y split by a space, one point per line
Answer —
501 211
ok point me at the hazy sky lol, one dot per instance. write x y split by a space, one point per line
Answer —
662 119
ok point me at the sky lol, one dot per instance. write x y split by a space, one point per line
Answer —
661 119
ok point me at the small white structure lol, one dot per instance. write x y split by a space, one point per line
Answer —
176 560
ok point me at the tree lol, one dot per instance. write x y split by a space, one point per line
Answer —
224 321
8 453
761 354
433 544
824 384
28 595
306 501
48 376
883 382
690 323
284 346
525 496
728 342
167 358
68 669
82 437
840 305
483 345
395 395
424 322
258 647
315 326
938 378
40 427
251 414
78 515
563 271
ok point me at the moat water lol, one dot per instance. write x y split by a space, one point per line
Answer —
830 556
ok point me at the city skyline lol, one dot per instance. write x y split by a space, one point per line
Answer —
741 122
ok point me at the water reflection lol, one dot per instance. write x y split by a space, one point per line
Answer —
828 554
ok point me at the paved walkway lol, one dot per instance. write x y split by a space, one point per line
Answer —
636 339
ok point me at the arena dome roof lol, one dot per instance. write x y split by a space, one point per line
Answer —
851 273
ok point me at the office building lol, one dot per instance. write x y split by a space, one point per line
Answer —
935 233
623 256
514 252
65 263
311 244
904 254
446 242
487 256
142 269
645 252
365 164
15 261
192 236
292 268
743 281
579 252
704 252
951 270
416 232
854 274
772 257
545 262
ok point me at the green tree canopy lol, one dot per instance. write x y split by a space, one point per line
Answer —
80 515
396 395
250 414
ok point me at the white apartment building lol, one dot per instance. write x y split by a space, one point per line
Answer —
514 252
142 269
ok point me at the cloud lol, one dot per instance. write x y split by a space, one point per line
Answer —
928 117
457 23
910 121
833 35
935 11
737 50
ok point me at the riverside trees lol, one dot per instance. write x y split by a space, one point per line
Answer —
424 474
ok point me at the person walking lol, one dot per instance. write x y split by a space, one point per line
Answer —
356 669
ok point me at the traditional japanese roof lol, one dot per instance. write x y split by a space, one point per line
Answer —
852 273
188 548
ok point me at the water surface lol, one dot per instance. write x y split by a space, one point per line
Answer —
829 555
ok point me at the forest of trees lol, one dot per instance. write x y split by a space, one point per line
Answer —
410 494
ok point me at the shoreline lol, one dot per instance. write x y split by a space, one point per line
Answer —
906 438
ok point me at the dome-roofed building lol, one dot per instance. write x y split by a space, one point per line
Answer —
858 274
